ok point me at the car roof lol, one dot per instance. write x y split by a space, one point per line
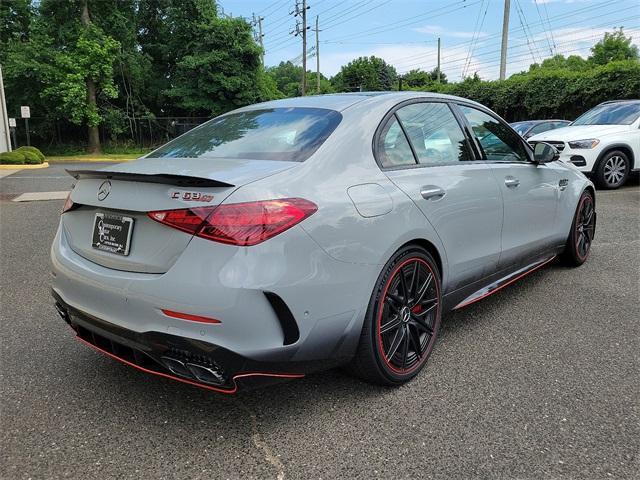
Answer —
631 100
342 101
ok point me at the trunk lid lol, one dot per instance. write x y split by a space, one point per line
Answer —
123 194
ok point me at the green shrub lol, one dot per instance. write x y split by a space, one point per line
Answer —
552 93
33 151
31 158
12 158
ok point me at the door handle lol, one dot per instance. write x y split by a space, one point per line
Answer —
431 191
511 182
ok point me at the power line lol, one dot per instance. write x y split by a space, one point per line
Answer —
341 13
527 31
546 32
277 4
477 61
546 13
344 20
411 20
517 29
460 60
476 33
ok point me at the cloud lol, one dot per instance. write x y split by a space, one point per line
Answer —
438 30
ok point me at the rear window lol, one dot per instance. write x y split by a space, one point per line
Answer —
290 134
522 127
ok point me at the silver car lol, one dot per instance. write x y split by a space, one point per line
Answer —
301 234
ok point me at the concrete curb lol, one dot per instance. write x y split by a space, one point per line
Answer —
24 167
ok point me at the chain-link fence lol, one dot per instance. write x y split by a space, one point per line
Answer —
132 132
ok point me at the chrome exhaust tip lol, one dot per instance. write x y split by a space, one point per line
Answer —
202 373
176 366
63 313
206 374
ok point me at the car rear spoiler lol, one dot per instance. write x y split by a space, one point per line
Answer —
164 178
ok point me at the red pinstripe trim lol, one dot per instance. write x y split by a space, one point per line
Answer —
497 289
189 317
189 382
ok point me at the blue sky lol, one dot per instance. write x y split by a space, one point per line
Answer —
405 32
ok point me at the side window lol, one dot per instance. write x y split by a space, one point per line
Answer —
394 147
541 127
497 140
434 133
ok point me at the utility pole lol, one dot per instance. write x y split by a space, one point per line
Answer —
505 35
5 141
438 60
258 36
301 30
317 30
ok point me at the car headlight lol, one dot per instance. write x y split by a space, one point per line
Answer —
588 143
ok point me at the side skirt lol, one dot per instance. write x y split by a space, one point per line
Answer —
500 283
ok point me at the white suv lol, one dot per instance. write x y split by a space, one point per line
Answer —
604 142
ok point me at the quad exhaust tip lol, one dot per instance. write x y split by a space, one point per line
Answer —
63 313
202 373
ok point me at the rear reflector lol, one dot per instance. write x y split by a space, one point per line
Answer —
189 317
242 224
186 219
68 205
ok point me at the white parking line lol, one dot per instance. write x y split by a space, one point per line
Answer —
35 196
6 173
34 177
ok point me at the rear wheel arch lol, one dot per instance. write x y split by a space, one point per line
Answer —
429 247
592 191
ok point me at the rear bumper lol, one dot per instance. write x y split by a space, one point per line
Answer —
186 360
282 306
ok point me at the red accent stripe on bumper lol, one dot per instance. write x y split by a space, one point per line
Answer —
189 382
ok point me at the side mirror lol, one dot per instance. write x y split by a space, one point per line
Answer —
544 153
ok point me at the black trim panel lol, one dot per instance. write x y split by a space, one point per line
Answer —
163 178
285 317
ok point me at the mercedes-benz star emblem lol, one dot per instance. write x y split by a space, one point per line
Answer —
405 314
104 190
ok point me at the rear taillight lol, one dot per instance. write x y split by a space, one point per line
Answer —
243 224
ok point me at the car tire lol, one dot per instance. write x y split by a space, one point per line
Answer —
400 330
583 227
612 170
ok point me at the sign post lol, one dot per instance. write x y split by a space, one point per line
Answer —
25 112
12 127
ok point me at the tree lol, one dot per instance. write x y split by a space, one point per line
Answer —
221 70
419 79
365 73
15 20
614 46
558 62
416 78
63 63
287 78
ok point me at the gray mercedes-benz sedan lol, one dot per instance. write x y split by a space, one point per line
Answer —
301 234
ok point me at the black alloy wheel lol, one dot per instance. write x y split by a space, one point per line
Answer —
402 320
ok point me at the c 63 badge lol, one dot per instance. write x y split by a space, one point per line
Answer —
190 196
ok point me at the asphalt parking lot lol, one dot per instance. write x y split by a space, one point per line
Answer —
539 381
